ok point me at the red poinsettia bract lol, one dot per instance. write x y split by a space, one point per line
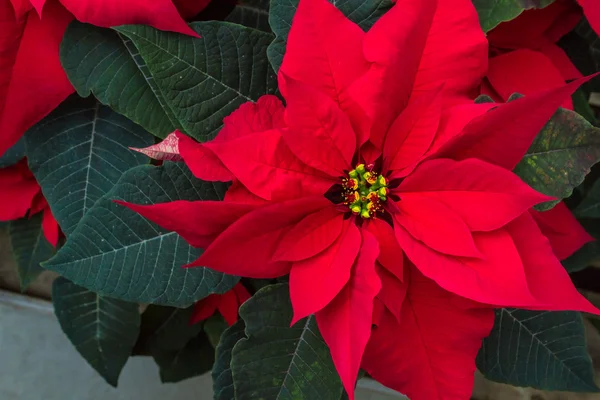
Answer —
227 304
32 81
384 193
22 196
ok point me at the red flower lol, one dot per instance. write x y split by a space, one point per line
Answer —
592 13
384 193
32 81
525 57
227 304
23 196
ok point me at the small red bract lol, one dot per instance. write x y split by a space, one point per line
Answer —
227 304
384 193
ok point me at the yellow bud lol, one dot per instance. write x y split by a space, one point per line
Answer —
370 178
360 168
353 174
355 209
382 192
365 214
382 180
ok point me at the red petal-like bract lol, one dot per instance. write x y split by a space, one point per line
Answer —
429 353
592 13
227 304
36 84
565 233
346 322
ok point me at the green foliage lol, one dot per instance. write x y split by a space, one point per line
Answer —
279 361
30 247
561 155
116 252
590 205
251 13
493 12
181 350
205 79
541 349
89 146
102 62
222 378
103 330
362 12
14 154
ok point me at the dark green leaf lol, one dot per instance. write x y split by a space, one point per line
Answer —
590 205
221 373
560 156
195 358
251 13
583 257
102 62
542 349
581 105
205 79
214 327
30 247
165 328
88 144
277 361
493 12
362 12
14 154
115 251
103 330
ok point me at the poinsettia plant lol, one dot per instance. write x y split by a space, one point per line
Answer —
290 192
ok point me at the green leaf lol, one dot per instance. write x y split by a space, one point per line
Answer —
251 13
590 205
277 361
542 349
116 252
362 12
88 144
165 328
30 247
204 79
102 62
214 326
493 12
581 105
583 257
103 330
221 373
14 154
195 358
560 157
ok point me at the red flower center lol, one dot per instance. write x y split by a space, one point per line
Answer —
365 191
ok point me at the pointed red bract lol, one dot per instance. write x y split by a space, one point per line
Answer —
35 87
564 232
471 188
391 256
320 134
548 280
516 122
393 46
198 222
324 274
393 291
525 72
255 247
227 304
310 236
429 354
346 322
592 12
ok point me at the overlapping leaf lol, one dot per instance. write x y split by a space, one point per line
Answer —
493 12
14 154
103 330
277 361
251 13
30 247
541 349
79 152
221 373
560 156
102 62
193 359
205 79
116 252
364 13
